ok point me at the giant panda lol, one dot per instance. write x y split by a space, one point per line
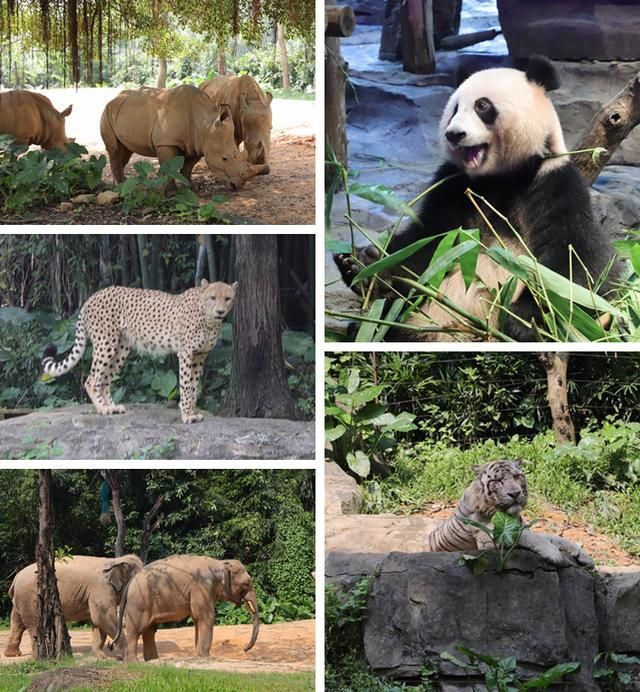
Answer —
499 132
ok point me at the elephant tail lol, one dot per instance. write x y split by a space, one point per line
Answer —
12 589
121 609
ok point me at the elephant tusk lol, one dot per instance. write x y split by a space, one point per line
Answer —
251 607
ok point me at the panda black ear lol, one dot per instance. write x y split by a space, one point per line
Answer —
543 72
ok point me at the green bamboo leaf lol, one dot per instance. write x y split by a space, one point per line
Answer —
580 320
391 260
507 260
469 261
445 262
563 287
505 298
368 329
634 253
392 316
381 194
444 246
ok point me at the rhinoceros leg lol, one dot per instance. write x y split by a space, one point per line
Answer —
188 168
166 153
118 158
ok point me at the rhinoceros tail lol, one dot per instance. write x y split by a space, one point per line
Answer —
53 369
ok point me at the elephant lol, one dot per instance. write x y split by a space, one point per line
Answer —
90 589
177 587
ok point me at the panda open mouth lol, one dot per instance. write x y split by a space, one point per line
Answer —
475 156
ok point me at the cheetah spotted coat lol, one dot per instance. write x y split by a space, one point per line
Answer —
119 319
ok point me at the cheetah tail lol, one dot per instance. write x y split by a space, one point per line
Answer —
53 369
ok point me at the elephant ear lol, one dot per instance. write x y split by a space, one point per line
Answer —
119 571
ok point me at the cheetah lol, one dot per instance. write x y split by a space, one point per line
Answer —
118 319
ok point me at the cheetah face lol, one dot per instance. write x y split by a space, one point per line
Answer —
217 298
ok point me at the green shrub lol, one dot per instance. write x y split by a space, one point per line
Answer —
44 177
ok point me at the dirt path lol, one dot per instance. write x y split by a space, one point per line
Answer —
281 648
285 196
556 521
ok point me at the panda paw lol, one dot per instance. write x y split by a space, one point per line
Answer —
350 265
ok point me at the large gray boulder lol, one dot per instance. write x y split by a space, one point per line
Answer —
571 29
424 604
618 606
151 432
342 495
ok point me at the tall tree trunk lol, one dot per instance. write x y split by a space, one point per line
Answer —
144 265
106 272
162 73
284 58
221 62
113 479
201 259
211 257
152 520
52 638
155 261
555 365
124 260
258 386
418 52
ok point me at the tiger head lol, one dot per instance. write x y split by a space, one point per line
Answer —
498 486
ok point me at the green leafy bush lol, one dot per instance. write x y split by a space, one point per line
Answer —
358 427
44 177
146 190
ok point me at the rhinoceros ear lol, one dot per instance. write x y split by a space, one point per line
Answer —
66 111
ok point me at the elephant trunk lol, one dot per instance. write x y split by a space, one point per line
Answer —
252 605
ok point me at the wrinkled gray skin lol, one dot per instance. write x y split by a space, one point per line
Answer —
90 589
182 586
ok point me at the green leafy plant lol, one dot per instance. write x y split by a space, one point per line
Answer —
609 670
40 177
570 312
146 190
504 533
357 426
500 675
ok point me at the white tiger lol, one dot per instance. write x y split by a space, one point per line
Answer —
499 486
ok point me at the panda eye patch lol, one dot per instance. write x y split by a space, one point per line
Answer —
486 111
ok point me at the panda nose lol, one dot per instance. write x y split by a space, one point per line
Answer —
455 136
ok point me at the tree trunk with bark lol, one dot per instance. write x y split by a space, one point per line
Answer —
113 479
608 128
162 73
555 365
52 638
152 520
258 386
418 51
284 58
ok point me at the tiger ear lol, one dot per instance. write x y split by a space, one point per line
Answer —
518 463
479 469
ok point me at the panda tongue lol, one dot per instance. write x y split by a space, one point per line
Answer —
472 153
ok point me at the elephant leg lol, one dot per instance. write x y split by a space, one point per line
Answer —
204 633
98 638
15 634
149 644
131 651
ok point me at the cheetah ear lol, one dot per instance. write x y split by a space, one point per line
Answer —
204 283
234 285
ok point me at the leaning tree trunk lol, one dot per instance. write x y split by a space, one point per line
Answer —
113 479
608 128
555 365
258 386
52 638
152 520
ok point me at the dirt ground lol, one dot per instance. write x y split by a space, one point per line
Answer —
285 196
286 647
